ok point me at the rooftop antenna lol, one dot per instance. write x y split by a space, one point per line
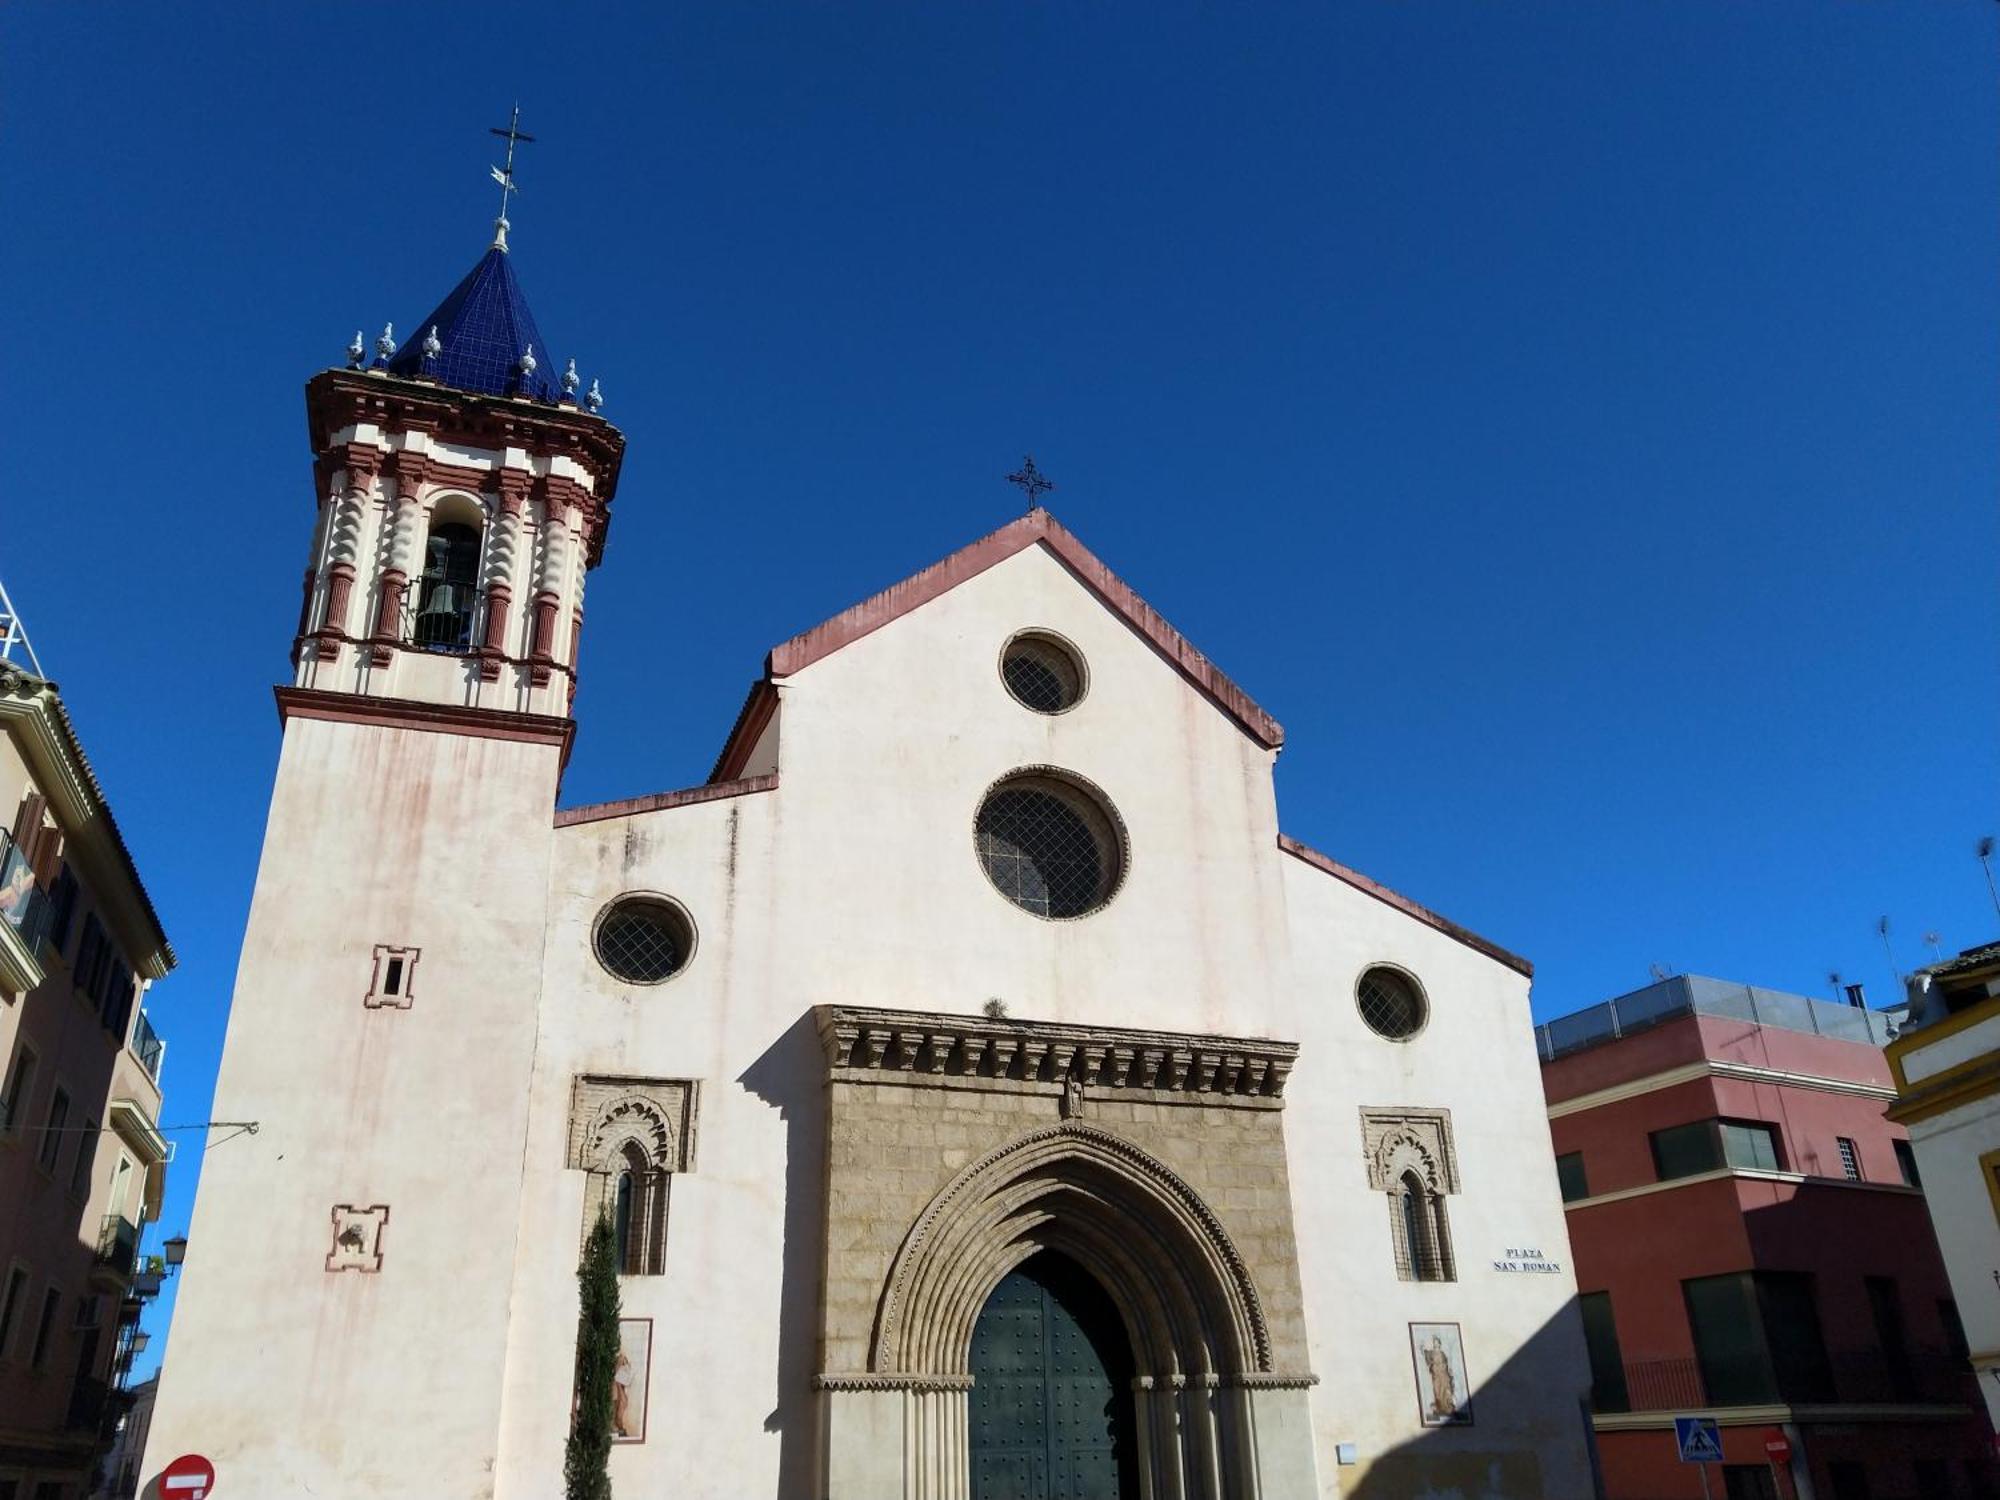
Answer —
505 175
1660 972
1986 864
1931 939
1882 926
14 636
1833 983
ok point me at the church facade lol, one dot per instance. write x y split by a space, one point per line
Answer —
990 1099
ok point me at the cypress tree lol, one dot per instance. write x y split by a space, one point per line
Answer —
585 1472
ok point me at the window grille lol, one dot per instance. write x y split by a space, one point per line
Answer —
1049 846
1042 673
1390 1003
1850 1159
644 940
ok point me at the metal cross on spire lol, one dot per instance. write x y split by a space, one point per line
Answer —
505 175
1032 480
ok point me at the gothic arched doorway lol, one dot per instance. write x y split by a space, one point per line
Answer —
1051 1389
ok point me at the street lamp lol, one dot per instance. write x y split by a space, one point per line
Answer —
140 1340
176 1249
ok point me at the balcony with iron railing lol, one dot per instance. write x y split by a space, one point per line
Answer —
117 1252
148 1046
443 615
1870 1377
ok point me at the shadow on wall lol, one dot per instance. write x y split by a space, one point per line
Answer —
1529 1437
788 1076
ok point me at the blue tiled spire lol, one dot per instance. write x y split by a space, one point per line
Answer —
484 327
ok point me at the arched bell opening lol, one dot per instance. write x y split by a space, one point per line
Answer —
447 592
1052 1395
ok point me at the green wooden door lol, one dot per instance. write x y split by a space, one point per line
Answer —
1051 1389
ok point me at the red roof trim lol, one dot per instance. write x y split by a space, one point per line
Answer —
756 712
1405 905
715 791
1036 527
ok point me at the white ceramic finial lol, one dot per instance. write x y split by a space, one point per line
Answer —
433 345
528 362
386 345
570 381
356 351
595 397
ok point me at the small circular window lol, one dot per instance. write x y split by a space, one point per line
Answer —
1391 1003
644 939
1043 672
1050 843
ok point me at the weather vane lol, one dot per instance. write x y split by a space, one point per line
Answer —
1032 480
505 175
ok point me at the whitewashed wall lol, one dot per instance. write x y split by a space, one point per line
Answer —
292 1379
855 882
1960 1199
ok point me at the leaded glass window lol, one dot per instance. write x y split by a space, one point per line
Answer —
643 939
1042 672
1049 844
1390 1003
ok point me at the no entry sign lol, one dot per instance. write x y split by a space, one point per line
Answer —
1777 1447
189 1477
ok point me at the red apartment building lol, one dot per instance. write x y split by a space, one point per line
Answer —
1751 1243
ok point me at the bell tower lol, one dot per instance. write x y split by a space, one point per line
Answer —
463 494
342 1322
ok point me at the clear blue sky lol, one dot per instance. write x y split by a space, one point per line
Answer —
1575 422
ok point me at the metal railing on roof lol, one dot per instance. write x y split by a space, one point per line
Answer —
1692 994
14 644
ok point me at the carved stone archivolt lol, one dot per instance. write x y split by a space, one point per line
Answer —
1404 1140
655 1115
1126 1217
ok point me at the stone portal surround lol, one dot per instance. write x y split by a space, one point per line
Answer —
959 1145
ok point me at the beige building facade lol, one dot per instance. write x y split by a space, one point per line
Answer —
990 1100
1946 1064
82 1160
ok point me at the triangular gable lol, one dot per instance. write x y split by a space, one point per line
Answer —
1036 527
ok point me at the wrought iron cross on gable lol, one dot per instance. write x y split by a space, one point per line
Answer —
1032 480
505 175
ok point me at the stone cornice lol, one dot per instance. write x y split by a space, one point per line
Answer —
951 1050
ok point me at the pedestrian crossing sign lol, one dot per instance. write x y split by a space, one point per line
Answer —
1700 1440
